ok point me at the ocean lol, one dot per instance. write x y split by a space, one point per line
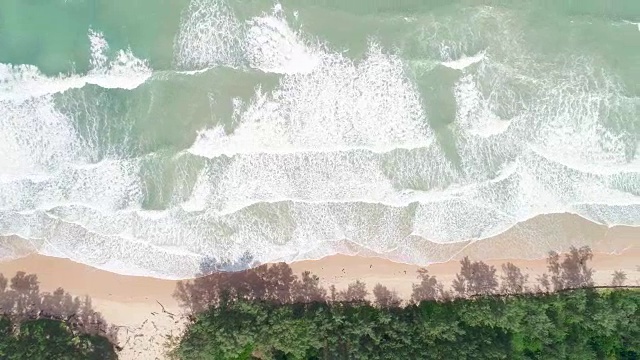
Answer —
151 137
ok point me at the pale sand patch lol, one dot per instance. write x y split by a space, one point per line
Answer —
128 301
340 270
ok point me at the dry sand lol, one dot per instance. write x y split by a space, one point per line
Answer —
134 302
340 270
128 301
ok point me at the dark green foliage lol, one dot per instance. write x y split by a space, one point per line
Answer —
575 324
269 313
50 339
38 325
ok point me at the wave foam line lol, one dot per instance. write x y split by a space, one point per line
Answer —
125 71
201 147
211 35
464 61
110 185
340 104
438 216
633 23
412 249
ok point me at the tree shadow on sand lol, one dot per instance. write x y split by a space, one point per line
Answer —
219 284
573 272
21 302
477 278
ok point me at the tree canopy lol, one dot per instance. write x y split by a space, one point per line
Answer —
42 325
270 313
576 324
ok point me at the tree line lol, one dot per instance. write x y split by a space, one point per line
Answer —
270 313
42 325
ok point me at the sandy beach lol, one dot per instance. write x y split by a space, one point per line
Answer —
146 311
143 142
133 303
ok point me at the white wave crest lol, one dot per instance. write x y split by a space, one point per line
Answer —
272 46
340 104
464 61
125 71
211 35
36 138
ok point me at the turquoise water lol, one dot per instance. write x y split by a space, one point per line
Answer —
142 137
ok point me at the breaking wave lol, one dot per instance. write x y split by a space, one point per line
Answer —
334 149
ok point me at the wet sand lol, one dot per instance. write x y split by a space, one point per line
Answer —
530 239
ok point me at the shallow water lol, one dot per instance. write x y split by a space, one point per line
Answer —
146 137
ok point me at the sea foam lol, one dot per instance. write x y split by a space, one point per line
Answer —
212 35
340 151
340 105
125 71
464 61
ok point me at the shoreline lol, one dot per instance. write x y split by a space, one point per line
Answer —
147 312
527 240
92 280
